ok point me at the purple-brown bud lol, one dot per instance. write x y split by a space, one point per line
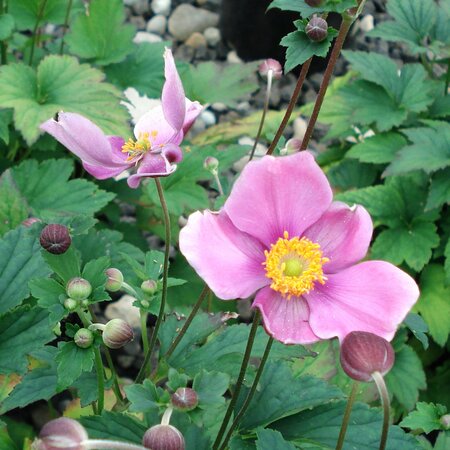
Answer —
78 288
317 29
149 287
314 3
55 238
185 399
364 353
163 437
84 338
30 221
117 333
61 434
273 65
115 280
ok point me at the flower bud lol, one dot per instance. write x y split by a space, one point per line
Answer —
211 164
149 287
78 288
71 304
117 333
364 353
61 434
314 3
55 239
30 221
445 421
273 65
185 399
163 437
115 280
84 338
292 146
317 29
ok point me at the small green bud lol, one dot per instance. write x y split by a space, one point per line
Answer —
445 421
78 288
85 303
211 164
117 333
185 399
145 303
84 338
70 304
317 29
163 437
149 287
115 280
57 329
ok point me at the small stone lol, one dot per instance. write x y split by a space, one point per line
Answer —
125 310
140 7
233 58
366 23
300 126
187 19
196 40
219 107
212 36
157 24
138 21
208 117
143 36
161 6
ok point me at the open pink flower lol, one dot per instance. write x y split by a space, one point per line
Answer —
280 235
158 134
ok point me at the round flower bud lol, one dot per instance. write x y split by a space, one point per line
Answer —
273 65
185 399
55 239
117 333
317 29
149 287
211 164
78 288
445 421
62 433
292 146
314 3
70 304
115 280
30 221
163 437
364 353
84 338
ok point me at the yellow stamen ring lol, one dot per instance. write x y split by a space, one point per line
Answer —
294 265
136 149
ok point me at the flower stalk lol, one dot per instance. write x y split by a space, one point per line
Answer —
65 26
40 13
346 418
113 445
3 45
384 395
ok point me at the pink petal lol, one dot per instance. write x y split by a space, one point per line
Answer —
173 103
152 121
229 260
193 109
373 296
101 173
274 195
344 235
172 153
153 165
285 320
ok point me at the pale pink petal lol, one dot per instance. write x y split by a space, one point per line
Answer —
274 195
193 109
154 121
373 296
101 172
153 165
172 98
344 235
285 320
229 260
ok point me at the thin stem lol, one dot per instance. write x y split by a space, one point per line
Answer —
144 333
142 372
116 386
65 26
382 390
237 390
263 117
217 179
187 323
129 289
100 380
166 416
346 418
35 29
250 394
104 444
3 44
290 108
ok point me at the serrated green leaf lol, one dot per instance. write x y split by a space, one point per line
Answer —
306 11
5 119
95 272
433 302
210 387
272 440
348 174
22 331
100 34
6 26
13 207
87 388
143 397
65 265
50 295
418 327
59 83
425 417
439 190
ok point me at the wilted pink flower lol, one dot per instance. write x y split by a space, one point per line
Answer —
280 235
158 134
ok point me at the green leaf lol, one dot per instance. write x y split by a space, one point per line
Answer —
447 262
21 260
306 11
5 120
433 304
143 397
426 417
347 174
300 47
439 190
87 388
210 387
100 34
443 441
50 295
24 330
94 272
59 83
66 265
378 149
72 361
13 207
272 440
6 26
406 377
418 327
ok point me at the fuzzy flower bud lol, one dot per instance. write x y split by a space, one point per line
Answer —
84 338
117 333
273 65
211 164
185 399
163 437
292 146
445 421
78 288
314 3
70 304
364 353
115 279
55 239
149 287
317 29
61 434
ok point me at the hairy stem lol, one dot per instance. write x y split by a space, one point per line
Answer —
3 44
346 418
42 5
384 395
100 380
105 444
65 26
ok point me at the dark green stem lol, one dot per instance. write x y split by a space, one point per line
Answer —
186 325
346 418
65 26
447 77
144 333
384 395
100 380
35 29
3 44
250 394
240 380
142 372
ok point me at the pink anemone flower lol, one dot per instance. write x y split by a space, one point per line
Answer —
280 235
158 134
